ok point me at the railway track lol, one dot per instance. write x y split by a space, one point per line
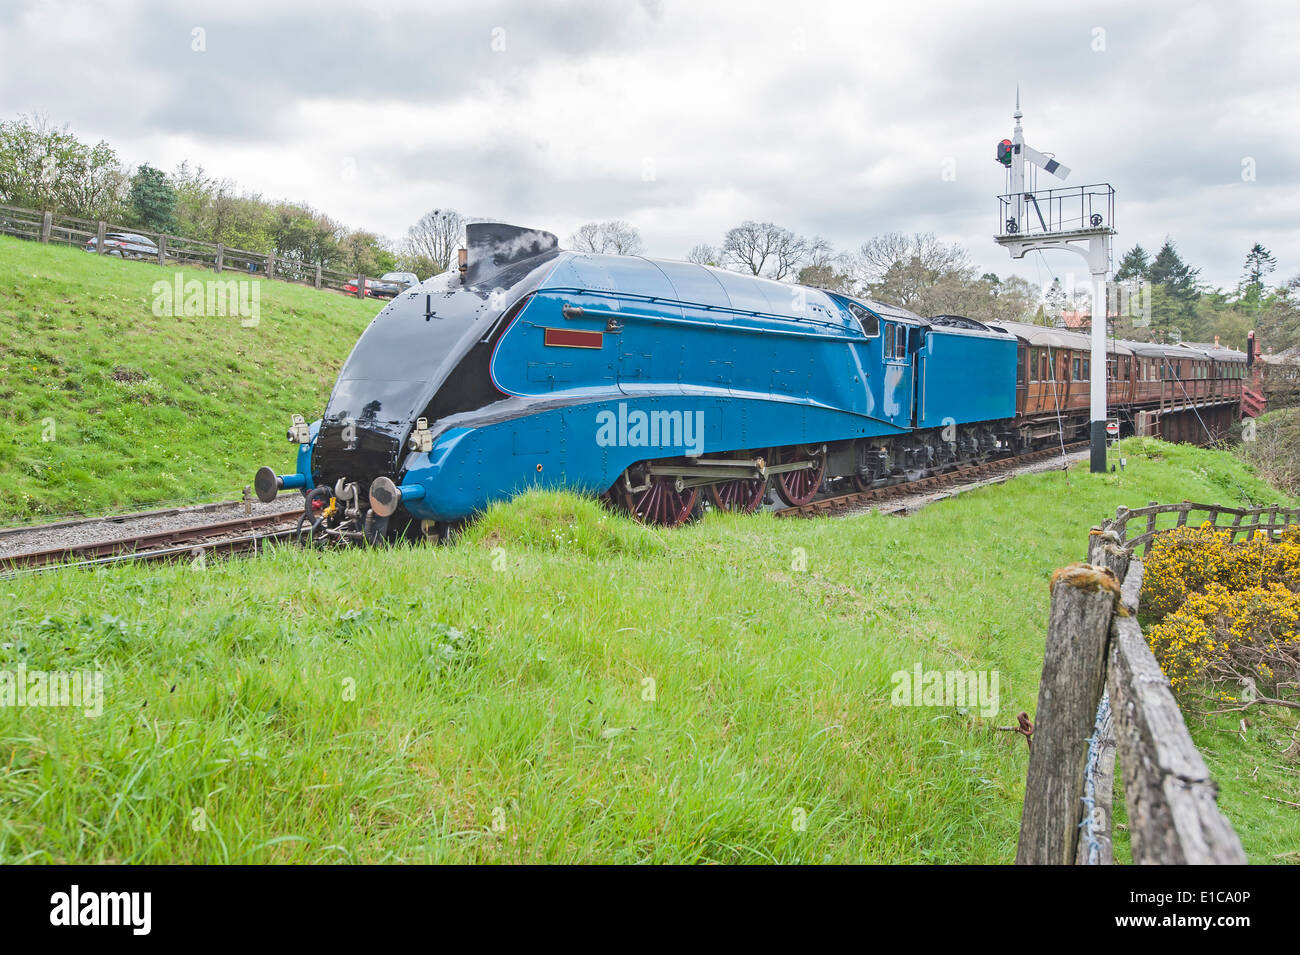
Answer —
948 479
248 534
124 519
239 535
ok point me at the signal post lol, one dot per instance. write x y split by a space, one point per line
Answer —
1078 219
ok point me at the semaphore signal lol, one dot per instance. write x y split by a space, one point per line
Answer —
1078 219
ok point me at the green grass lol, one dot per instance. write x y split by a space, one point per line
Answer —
106 406
488 701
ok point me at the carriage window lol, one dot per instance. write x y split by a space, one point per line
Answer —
1087 369
900 343
889 340
1076 369
1033 364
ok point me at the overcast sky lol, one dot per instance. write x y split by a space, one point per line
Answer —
685 116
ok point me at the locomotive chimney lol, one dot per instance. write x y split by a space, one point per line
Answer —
1216 341
462 259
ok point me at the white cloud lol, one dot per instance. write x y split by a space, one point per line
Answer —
829 118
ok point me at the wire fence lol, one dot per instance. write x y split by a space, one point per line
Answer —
1102 694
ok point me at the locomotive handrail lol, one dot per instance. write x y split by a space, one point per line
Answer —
839 334
731 309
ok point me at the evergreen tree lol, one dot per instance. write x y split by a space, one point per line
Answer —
1175 291
1171 271
1054 302
152 200
1259 263
1134 265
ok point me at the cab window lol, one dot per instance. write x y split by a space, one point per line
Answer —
870 324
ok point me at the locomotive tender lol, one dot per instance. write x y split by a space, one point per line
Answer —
651 382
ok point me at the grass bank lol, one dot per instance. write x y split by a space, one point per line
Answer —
562 685
108 406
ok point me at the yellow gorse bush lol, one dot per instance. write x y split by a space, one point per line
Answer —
1226 611
1187 560
1231 635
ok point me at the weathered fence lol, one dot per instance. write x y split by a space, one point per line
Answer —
176 250
1245 521
1102 693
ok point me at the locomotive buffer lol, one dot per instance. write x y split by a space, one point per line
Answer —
1076 219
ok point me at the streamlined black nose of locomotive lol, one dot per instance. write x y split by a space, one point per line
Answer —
426 355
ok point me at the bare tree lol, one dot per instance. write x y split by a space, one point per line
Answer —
704 254
435 237
922 251
764 248
825 268
905 270
612 237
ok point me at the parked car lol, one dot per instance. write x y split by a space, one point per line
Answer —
350 286
392 284
128 245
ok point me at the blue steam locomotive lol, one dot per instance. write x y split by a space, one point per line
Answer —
660 385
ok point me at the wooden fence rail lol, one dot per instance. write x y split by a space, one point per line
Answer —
1271 519
1097 663
176 250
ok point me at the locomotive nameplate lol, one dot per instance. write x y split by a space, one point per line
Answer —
574 338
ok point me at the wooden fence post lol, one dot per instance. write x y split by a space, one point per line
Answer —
1172 814
1106 550
361 286
100 235
221 258
162 250
318 276
270 265
47 223
1083 602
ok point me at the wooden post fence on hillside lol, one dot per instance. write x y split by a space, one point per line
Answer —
1095 646
1083 601
51 227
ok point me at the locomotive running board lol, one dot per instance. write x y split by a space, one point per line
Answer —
705 472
